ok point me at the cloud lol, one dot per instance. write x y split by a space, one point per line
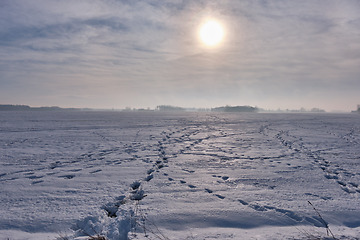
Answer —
147 52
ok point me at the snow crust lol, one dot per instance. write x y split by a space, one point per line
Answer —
179 175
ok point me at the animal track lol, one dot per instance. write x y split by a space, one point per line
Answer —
135 185
111 208
36 182
292 215
67 176
219 196
96 171
208 190
332 171
149 177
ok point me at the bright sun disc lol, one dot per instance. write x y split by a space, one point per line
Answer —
211 33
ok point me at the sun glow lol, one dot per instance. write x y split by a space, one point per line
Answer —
211 33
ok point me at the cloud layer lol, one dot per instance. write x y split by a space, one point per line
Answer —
112 53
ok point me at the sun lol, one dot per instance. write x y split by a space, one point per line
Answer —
211 33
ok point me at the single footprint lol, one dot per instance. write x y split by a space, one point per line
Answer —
290 214
219 196
149 177
35 177
135 185
69 176
36 182
111 208
341 183
208 190
257 207
243 202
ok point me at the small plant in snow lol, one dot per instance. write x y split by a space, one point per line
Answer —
60 237
97 237
326 225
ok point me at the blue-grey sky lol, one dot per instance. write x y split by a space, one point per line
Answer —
129 53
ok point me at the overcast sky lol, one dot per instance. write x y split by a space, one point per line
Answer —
128 53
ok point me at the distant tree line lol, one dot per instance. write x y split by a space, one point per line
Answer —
168 108
9 107
235 109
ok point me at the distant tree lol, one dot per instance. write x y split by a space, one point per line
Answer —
8 107
235 109
168 108
318 110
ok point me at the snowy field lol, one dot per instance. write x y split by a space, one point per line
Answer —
68 175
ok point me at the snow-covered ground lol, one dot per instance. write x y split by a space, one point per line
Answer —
68 175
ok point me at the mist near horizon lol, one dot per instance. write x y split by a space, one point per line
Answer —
203 54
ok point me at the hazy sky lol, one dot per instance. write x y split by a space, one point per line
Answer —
119 53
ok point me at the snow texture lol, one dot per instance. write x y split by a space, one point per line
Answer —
148 175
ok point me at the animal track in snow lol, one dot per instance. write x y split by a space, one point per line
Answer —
149 177
208 190
37 182
67 176
332 171
135 185
35 177
291 214
219 196
111 208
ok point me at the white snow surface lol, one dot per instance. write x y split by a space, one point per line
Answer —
151 175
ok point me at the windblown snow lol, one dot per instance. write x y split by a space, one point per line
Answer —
151 175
